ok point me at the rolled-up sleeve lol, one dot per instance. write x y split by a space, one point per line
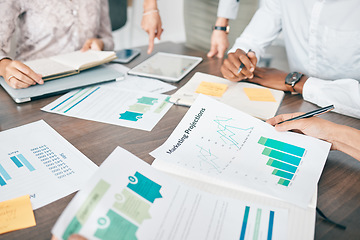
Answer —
344 94
9 12
228 9
105 27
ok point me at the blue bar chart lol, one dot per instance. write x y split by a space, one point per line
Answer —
283 157
257 222
19 161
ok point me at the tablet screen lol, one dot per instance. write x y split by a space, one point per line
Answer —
166 66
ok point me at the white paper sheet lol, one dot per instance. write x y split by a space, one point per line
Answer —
227 145
127 199
138 83
36 160
134 109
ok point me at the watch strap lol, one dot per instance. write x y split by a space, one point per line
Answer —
221 28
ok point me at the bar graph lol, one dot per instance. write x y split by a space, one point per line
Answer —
283 157
19 161
257 222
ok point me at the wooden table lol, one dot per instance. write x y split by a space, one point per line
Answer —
339 186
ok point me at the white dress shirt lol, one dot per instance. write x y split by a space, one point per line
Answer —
228 8
322 40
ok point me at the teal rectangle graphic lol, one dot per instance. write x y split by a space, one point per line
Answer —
281 146
284 182
245 220
281 165
25 162
4 173
282 156
2 181
16 161
282 174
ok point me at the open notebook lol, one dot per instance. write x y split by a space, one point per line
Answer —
253 99
69 63
227 152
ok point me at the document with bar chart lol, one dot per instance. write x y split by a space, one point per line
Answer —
128 199
36 160
127 108
227 145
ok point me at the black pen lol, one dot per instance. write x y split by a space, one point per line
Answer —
311 114
242 64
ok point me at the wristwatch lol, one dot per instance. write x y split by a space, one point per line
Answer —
226 28
292 78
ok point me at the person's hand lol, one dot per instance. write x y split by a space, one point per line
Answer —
314 126
93 44
219 44
231 65
18 75
271 78
151 23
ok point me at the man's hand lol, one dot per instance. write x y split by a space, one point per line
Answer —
18 75
271 78
231 66
93 44
219 44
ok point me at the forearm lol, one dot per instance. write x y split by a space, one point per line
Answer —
346 139
222 22
150 5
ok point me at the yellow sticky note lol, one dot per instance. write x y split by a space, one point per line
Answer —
16 214
259 94
212 89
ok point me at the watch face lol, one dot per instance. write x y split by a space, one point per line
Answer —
293 78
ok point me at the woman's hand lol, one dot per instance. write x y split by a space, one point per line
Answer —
18 75
93 44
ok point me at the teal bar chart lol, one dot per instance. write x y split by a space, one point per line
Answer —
283 157
257 222
20 161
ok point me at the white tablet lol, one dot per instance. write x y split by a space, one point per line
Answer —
166 66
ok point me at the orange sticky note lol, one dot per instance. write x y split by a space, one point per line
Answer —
259 94
16 214
212 89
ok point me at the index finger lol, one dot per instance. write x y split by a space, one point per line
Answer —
279 118
151 41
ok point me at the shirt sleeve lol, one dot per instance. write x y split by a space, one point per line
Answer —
344 94
228 8
105 27
9 12
263 28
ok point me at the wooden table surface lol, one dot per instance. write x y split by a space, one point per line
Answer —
339 186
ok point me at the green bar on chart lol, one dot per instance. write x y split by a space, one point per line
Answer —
282 174
284 182
257 224
282 156
281 165
281 146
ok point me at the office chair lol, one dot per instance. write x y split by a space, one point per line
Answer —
118 13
